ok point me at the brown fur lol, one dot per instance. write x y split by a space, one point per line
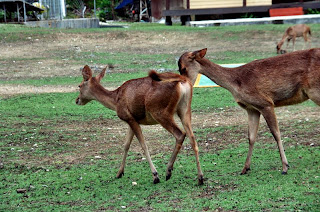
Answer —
299 30
149 100
261 85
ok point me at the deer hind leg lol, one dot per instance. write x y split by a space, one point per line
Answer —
138 133
269 115
253 125
185 117
129 138
306 40
169 124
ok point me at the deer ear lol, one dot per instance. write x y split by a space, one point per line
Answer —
86 73
101 75
201 53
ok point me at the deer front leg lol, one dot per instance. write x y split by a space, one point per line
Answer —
269 115
127 144
306 41
288 41
253 125
293 42
138 133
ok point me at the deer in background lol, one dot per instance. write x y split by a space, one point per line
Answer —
299 30
150 100
262 85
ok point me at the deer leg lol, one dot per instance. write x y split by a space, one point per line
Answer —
305 40
293 42
129 138
288 41
314 95
138 133
168 123
269 115
186 122
253 125
180 136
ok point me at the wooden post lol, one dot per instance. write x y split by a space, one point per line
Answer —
24 11
244 3
94 6
168 18
5 13
18 12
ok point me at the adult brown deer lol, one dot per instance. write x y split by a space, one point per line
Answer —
299 30
150 100
262 85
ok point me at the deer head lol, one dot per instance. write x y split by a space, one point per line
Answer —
279 50
190 61
87 85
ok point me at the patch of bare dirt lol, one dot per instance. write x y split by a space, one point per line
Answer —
52 54
10 90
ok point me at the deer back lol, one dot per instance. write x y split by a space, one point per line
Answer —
138 98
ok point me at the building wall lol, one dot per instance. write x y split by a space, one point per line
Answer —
202 4
259 2
158 5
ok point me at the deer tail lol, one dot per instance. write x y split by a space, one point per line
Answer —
154 75
165 77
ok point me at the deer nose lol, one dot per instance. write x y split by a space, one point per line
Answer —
78 101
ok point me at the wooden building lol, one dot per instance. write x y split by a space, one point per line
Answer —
187 8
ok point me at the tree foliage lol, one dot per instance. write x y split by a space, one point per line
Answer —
105 8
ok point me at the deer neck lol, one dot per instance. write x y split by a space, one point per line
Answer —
220 75
106 97
281 42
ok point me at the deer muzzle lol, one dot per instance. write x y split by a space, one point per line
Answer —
78 102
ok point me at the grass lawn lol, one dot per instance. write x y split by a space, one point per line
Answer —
58 156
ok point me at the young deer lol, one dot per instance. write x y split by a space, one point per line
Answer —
299 30
150 100
262 85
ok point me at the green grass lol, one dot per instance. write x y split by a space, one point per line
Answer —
50 106
94 187
111 79
91 184
48 144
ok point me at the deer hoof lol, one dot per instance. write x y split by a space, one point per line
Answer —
284 173
119 175
168 176
200 180
244 171
156 180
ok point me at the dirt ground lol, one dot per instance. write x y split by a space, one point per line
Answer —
51 55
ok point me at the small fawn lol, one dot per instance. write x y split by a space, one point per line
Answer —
299 30
150 100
